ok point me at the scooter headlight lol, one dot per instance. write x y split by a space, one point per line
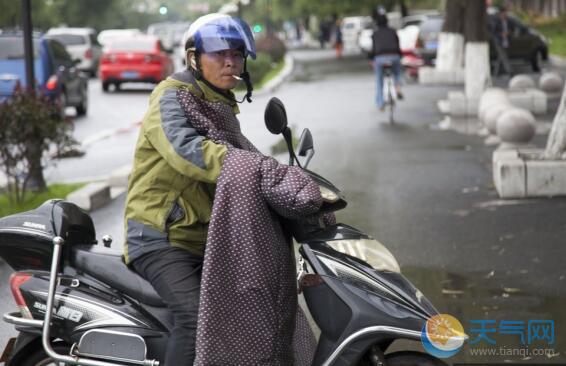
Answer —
368 250
328 195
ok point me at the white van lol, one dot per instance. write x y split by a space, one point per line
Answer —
81 44
170 33
351 28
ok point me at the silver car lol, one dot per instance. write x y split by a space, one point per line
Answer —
81 44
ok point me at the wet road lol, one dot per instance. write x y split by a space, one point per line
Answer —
426 194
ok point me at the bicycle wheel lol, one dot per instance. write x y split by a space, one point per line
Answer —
391 100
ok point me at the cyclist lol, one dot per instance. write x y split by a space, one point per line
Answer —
386 51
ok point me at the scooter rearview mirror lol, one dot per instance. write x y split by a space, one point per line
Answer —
305 143
275 116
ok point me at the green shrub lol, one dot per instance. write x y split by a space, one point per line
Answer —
259 67
30 125
271 45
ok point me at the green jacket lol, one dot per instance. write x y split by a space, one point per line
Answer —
172 183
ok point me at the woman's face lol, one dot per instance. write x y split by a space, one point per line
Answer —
218 67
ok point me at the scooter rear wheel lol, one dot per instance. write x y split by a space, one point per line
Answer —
413 358
38 357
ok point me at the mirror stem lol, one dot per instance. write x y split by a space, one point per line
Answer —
310 154
289 140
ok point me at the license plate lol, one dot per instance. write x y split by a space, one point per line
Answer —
130 74
431 45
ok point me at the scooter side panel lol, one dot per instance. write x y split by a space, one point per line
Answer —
364 312
77 310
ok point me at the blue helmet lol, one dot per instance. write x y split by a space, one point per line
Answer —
218 32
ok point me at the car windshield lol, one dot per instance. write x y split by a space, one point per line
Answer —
69 39
132 45
12 48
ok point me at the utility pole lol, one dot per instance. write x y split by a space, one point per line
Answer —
28 44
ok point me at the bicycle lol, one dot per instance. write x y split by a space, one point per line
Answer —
389 91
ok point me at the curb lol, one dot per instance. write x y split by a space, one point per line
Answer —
557 61
276 82
98 194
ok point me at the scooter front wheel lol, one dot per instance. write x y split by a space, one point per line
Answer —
413 358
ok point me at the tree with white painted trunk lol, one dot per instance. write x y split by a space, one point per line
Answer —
450 53
477 67
556 144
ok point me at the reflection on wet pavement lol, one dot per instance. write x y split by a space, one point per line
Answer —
480 296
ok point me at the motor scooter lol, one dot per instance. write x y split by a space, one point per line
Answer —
80 305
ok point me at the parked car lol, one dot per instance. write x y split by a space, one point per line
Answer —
427 41
525 44
417 19
55 71
107 35
81 43
138 58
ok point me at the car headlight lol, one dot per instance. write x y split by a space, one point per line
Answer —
328 195
368 250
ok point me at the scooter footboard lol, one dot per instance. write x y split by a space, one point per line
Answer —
113 346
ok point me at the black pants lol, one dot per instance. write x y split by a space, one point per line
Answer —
175 274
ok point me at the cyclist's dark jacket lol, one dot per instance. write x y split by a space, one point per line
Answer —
385 42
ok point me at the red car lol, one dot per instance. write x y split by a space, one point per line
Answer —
138 58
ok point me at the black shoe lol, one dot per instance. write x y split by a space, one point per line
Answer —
399 95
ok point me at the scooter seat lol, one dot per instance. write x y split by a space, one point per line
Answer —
110 269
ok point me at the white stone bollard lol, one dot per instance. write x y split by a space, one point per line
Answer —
551 82
493 113
489 97
515 127
521 82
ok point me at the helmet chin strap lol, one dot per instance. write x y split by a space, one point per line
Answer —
249 87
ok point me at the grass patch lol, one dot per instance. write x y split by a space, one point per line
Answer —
555 31
32 200
267 68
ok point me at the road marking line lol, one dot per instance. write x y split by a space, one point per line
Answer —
104 134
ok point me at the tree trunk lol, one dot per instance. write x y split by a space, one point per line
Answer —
478 73
475 22
35 181
404 9
455 12
450 52
556 144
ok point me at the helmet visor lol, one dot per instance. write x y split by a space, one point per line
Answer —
224 34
